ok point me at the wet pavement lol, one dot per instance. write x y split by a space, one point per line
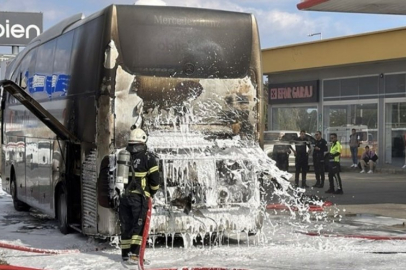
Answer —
285 242
366 189
373 204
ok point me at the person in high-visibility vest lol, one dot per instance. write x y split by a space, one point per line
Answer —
143 182
334 165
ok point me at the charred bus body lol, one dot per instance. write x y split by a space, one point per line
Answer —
191 78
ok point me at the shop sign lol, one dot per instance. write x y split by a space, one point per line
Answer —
19 28
296 92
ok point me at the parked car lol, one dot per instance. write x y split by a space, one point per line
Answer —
274 137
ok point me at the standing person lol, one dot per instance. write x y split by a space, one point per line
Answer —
301 158
334 165
354 144
320 148
368 158
143 182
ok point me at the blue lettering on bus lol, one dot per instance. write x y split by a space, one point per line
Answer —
36 83
55 85
61 84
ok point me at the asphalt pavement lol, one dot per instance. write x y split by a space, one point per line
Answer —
381 193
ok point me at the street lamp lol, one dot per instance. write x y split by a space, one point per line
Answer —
315 34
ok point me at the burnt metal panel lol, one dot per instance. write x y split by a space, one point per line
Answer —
87 56
184 42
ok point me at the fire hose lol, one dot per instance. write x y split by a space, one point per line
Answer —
312 208
34 250
37 250
13 267
54 252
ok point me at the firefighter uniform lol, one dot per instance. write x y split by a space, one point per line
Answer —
143 182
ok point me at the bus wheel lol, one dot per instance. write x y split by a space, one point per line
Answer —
18 205
62 212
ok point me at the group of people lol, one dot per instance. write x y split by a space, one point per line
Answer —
143 181
324 159
368 158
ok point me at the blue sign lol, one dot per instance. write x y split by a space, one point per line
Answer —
55 85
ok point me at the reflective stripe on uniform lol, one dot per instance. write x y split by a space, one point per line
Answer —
139 192
143 183
153 169
136 236
136 240
126 246
143 180
125 243
138 174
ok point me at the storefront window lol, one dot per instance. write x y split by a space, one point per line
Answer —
351 88
295 118
395 85
341 119
395 133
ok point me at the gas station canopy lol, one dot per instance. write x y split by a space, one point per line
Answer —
355 6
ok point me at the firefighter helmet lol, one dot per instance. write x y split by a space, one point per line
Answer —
137 136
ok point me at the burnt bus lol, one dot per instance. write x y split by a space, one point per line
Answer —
191 78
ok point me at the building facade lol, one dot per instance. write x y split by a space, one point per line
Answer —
338 84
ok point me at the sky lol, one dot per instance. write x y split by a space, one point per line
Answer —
280 22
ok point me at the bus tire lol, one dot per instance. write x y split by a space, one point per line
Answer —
62 212
18 205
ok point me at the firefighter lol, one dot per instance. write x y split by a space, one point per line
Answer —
143 182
